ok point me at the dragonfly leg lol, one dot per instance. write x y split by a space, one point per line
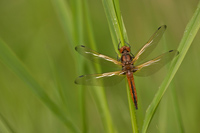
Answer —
119 59
132 55
127 44
119 44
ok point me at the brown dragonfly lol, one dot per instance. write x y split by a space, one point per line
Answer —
128 64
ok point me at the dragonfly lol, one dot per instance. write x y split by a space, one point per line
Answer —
128 65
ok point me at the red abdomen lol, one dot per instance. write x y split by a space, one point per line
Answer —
132 88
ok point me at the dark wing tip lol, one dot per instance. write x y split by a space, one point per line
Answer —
76 80
76 48
165 26
81 76
177 52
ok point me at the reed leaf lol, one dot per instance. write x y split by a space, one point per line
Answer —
188 36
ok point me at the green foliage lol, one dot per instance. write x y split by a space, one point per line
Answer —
38 66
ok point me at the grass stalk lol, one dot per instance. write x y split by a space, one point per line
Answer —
189 35
98 92
114 21
73 27
66 18
118 32
77 39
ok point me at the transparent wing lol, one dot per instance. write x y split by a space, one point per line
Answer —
96 57
154 65
150 45
107 79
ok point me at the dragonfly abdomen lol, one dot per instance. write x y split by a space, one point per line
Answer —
132 87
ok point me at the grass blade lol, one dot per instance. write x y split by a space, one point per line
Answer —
98 92
73 27
77 39
113 14
65 16
189 34
177 109
118 32
11 61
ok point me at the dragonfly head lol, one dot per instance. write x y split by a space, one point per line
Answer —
124 48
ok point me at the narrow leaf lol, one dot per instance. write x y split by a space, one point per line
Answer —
10 60
189 35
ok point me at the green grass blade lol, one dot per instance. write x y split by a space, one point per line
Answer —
98 92
189 35
65 16
177 109
118 22
113 14
118 32
11 61
78 20
100 99
174 104
73 27
77 39
110 23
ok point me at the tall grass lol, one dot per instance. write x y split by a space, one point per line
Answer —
71 104
118 33
99 96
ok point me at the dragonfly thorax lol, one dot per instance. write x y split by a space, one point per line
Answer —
126 60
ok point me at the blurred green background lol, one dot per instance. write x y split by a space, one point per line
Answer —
33 31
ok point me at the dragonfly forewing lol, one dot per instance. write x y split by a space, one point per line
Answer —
97 57
150 45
